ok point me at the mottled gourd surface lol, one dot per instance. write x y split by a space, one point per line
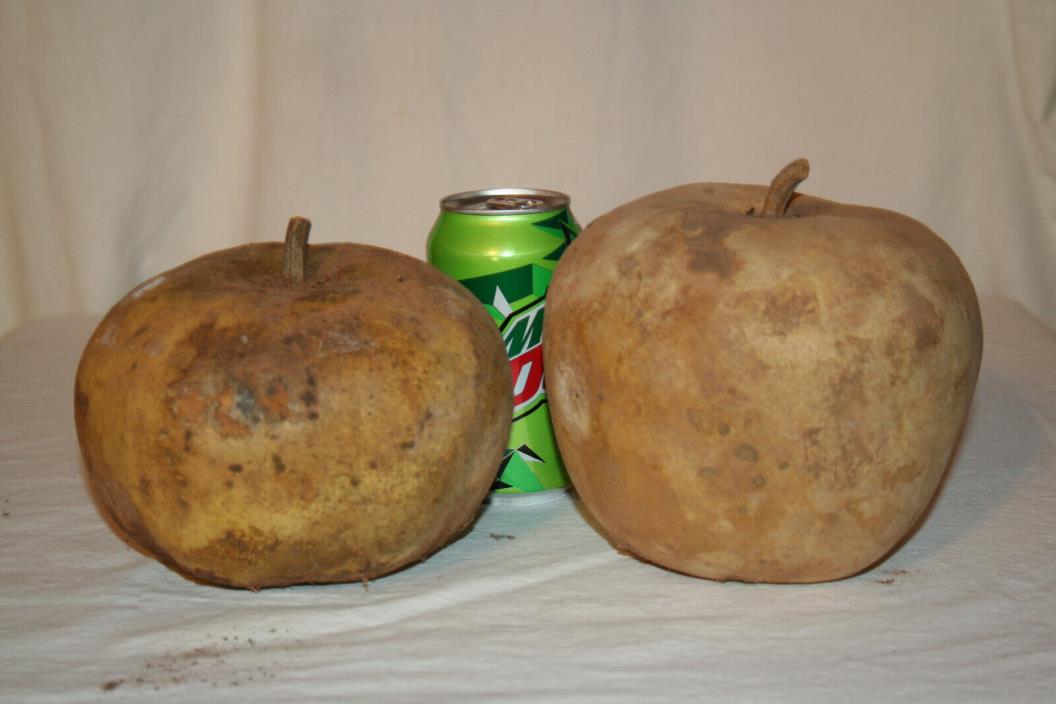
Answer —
254 433
759 399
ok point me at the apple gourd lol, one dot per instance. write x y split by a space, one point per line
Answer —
751 384
270 415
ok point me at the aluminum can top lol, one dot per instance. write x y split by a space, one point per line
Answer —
504 201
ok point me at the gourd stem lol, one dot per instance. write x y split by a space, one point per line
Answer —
782 188
295 257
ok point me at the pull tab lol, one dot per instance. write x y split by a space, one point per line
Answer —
512 203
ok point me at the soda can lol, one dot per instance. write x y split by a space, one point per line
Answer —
503 244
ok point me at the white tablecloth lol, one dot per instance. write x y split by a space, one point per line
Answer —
533 605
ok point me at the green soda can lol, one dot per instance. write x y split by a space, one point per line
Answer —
503 244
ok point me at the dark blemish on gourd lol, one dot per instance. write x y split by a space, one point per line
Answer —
922 317
783 466
140 330
309 377
229 484
849 388
355 481
695 418
746 453
278 464
706 247
134 366
786 310
235 468
811 436
373 464
707 256
187 435
758 481
407 445
246 403
926 337
424 420
201 338
724 429
309 398
81 401
144 487
313 415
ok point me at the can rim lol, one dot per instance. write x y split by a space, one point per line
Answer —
463 202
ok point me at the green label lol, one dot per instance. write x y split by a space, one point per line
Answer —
519 261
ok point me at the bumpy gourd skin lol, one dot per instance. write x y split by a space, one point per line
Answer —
254 433
759 399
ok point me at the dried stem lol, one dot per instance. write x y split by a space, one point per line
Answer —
295 258
782 188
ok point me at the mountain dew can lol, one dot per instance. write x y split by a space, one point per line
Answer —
503 244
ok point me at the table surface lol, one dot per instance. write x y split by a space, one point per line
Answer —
533 604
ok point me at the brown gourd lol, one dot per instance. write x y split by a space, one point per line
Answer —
751 384
270 415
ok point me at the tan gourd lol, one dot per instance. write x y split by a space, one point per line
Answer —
257 418
753 385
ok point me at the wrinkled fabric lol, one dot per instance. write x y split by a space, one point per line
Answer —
533 605
137 135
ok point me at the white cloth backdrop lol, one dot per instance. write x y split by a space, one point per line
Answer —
136 135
